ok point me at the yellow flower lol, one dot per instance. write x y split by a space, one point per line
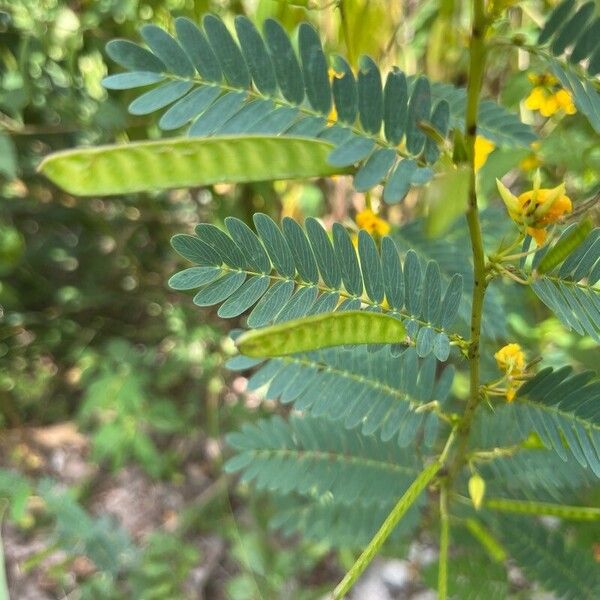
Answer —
546 99
511 360
542 100
511 392
483 148
536 208
558 207
366 219
549 106
535 99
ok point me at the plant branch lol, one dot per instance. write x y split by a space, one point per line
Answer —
477 53
444 543
408 498
526 507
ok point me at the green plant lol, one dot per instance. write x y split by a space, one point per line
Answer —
358 338
164 566
117 401
72 530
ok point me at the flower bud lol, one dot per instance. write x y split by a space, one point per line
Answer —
477 490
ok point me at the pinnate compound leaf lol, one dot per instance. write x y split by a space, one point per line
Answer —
546 556
567 277
359 387
351 466
564 410
585 92
571 33
258 85
310 275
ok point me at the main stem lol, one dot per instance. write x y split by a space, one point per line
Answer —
477 53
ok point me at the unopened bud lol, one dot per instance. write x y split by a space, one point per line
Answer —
477 490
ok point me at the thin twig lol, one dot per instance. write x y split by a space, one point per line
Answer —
444 543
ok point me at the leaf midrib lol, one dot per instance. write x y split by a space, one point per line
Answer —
553 410
550 558
323 289
330 455
583 286
303 108
400 395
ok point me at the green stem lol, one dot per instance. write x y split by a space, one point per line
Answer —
363 561
444 543
491 545
477 53
525 507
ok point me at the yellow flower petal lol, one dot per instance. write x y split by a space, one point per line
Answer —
539 235
545 206
549 106
563 97
363 217
535 98
383 227
510 358
511 391
366 219
483 148
565 101
536 208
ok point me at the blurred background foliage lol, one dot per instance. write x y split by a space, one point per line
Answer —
113 395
